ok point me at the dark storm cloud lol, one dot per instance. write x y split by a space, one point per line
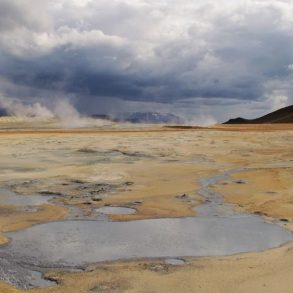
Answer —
163 51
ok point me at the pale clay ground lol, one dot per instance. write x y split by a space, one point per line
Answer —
160 166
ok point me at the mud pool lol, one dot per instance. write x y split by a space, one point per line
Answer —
76 243
9 197
116 210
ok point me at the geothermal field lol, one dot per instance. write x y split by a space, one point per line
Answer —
119 207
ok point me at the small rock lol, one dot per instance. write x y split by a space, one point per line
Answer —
240 182
284 220
129 183
97 198
86 150
138 202
133 203
47 192
77 181
182 196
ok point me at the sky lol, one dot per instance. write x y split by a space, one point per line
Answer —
207 61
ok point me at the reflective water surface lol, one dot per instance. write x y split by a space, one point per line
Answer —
116 210
75 243
8 197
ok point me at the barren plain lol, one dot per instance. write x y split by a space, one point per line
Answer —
50 175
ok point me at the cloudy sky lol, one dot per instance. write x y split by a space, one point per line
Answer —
206 60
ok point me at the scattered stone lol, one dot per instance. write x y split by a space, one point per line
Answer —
284 220
129 183
47 192
184 197
77 181
86 150
97 198
156 267
138 202
130 154
240 182
133 203
259 213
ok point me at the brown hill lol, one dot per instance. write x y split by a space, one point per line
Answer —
283 115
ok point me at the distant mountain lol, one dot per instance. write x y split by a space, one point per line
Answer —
151 117
283 115
142 117
102 116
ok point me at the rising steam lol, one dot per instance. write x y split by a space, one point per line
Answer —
62 110
17 108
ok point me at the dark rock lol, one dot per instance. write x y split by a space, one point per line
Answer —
132 203
182 196
47 192
138 202
240 182
87 150
77 181
97 198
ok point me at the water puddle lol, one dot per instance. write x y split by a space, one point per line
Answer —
175 261
214 205
109 210
75 243
36 280
8 197
218 230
